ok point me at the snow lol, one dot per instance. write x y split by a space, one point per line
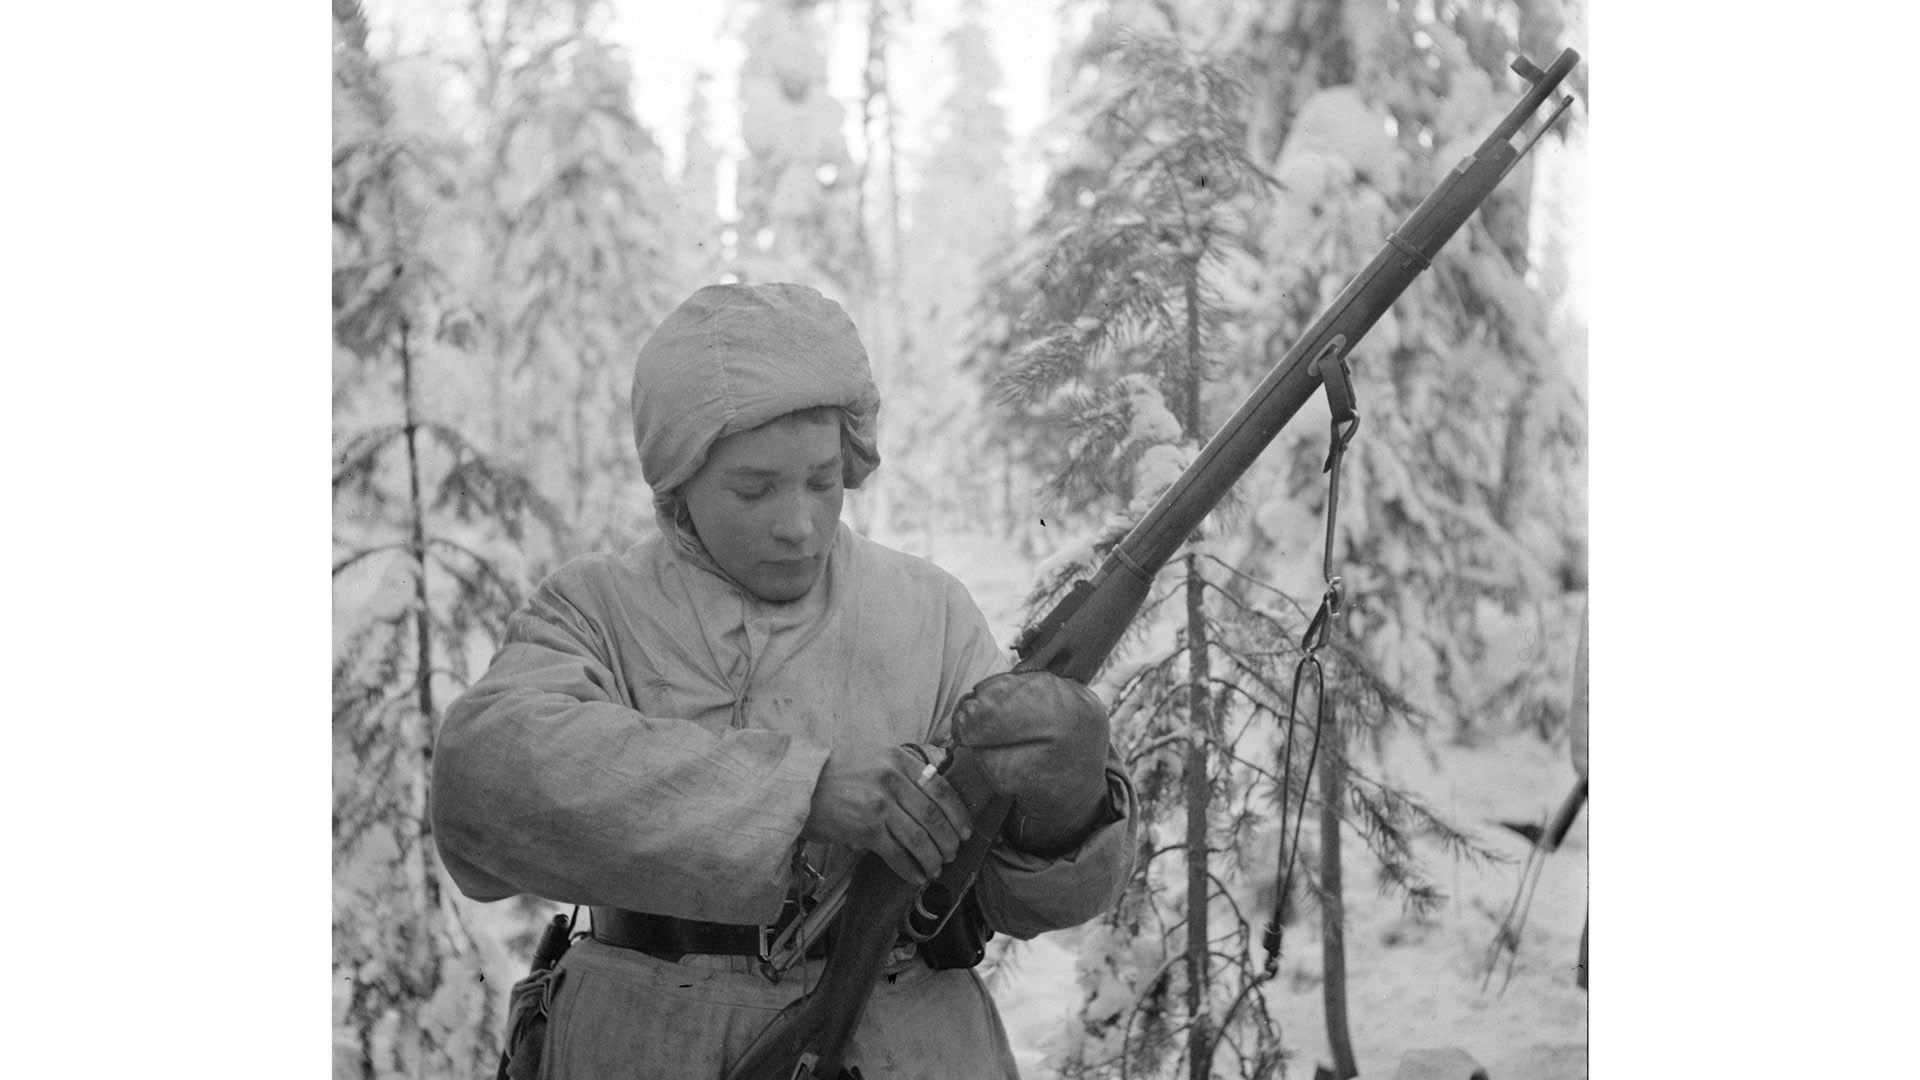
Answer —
1149 421
1312 175
1418 984
1336 123
1159 467
377 591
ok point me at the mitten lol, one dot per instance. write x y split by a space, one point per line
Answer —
1043 740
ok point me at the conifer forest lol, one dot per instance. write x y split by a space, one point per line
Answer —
1073 235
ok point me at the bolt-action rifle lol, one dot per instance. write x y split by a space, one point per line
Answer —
808 1039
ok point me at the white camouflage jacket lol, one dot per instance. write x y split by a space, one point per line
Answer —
650 734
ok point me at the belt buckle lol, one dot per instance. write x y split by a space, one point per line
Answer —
770 932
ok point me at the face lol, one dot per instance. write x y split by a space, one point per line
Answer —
767 502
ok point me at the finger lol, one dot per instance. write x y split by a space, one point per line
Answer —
950 806
931 800
900 860
899 838
929 819
921 860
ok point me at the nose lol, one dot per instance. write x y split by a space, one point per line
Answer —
792 523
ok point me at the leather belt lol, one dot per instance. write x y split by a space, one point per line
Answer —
669 938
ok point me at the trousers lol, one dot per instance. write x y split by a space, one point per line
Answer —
619 1014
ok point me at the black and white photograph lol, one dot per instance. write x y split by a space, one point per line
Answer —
859 539
960 538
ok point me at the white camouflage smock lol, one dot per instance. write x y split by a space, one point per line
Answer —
649 737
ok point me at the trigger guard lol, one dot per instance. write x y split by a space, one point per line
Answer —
920 910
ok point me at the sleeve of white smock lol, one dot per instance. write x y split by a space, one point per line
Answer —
545 782
1023 895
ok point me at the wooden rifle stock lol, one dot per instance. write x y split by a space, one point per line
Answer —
808 1040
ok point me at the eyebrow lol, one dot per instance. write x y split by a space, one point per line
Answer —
749 472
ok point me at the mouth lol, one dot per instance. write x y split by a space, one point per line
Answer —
788 579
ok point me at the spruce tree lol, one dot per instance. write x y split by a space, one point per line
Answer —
1462 544
945 465
698 188
1116 314
583 249
1465 540
1089 305
798 192
426 533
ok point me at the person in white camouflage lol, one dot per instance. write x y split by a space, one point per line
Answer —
689 737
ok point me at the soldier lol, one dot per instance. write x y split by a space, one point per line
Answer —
689 737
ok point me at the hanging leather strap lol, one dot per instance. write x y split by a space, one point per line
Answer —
1331 366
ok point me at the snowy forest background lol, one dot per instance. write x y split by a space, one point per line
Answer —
1057 320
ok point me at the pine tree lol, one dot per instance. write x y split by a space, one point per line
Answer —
425 573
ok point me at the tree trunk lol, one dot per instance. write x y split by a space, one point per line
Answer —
1333 946
416 733
417 543
1200 724
1514 459
440 936
1199 791
415 825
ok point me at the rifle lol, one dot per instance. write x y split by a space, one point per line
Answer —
807 1040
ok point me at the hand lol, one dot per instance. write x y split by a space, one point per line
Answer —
875 800
1043 740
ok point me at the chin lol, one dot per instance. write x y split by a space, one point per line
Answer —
784 590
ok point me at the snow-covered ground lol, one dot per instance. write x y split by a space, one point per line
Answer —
1412 985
